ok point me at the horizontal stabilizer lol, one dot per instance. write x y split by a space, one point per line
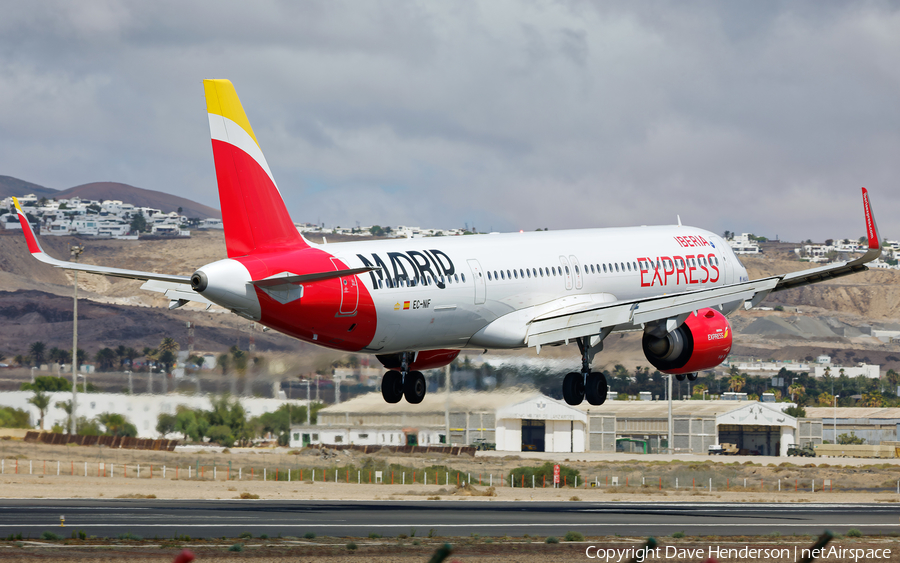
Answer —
289 279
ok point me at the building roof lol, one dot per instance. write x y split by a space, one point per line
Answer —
660 409
852 412
435 402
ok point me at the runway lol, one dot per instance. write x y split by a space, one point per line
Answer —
217 518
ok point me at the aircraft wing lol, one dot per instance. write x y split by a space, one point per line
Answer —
35 248
593 319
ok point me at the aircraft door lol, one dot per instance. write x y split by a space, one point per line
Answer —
349 294
577 271
478 278
566 271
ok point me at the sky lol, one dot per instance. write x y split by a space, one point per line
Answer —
762 117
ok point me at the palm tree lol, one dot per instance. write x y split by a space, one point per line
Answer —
825 399
67 407
37 350
796 389
736 383
41 401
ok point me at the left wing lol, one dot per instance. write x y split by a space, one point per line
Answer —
35 248
594 320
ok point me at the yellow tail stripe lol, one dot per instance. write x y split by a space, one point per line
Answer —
222 99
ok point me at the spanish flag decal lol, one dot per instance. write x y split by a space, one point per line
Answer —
405 305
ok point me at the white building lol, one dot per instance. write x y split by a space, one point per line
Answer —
743 244
865 370
141 410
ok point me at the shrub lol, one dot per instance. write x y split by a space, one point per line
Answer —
566 474
574 536
551 539
854 533
130 536
250 496
374 536
236 547
246 535
264 536
81 535
351 546
575 498
50 536
310 535
678 535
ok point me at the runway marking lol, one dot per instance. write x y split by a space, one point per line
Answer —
486 525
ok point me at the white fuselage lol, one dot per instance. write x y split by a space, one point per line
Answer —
499 282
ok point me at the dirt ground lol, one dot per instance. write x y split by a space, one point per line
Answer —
44 471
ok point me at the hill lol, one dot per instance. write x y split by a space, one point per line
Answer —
10 186
140 197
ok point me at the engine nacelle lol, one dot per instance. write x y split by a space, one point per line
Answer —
703 341
426 359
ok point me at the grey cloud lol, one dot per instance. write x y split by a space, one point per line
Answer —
763 117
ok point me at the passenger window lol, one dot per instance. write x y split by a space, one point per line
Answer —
528 273
501 275
592 268
489 276
577 271
604 268
567 270
521 273
379 285
516 274
508 275
541 270
629 266
617 267
635 266
456 278
463 278
533 271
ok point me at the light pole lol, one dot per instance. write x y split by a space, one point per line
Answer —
75 251
834 416
669 395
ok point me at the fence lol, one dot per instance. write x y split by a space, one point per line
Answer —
108 441
435 475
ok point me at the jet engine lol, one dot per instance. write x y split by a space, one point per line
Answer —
703 341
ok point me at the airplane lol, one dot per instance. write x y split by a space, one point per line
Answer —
416 303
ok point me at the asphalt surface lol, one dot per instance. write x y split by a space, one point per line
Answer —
206 518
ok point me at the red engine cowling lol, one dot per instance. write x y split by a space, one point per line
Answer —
426 359
703 341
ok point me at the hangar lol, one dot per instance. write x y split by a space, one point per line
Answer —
526 420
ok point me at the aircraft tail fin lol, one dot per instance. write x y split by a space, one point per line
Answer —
253 211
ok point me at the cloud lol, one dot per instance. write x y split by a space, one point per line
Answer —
755 117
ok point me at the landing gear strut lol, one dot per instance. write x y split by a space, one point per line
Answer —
577 386
399 383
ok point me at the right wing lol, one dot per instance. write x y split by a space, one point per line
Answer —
592 320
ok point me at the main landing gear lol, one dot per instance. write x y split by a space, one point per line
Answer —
397 384
690 376
587 384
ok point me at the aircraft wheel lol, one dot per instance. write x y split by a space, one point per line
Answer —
679 376
573 388
692 376
414 387
392 386
596 389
